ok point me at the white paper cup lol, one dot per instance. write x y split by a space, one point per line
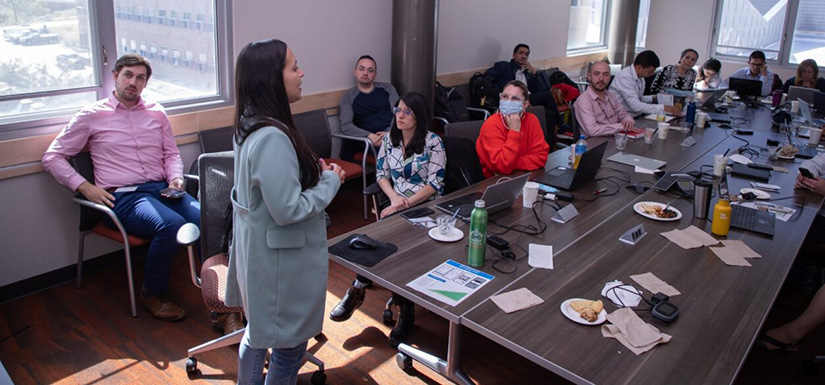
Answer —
816 134
664 128
720 162
529 194
701 119
794 106
649 134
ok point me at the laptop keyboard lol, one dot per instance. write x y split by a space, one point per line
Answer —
749 219
565 179
806 152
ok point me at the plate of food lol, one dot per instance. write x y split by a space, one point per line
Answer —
584 311
657 212
786 152
761 195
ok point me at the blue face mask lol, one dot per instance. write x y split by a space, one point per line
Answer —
509 107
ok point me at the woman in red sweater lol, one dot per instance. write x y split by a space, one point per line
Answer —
511 139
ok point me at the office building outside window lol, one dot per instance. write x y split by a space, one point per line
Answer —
588 25
747 25
641 26
53 55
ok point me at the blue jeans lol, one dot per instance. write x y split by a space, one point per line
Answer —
146 214
283 364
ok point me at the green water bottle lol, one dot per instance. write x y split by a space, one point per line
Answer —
478 235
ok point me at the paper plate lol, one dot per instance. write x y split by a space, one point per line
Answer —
575 317
639 208
760 194
454 235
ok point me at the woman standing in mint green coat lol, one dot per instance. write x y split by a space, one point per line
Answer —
278 260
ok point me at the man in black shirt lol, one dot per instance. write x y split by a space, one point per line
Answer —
366 110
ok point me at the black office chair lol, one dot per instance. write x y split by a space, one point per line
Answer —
216 140
469 130
549 132
91 221
216 174
564 141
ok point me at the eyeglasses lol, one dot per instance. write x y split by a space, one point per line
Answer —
406 111
506 97
757 64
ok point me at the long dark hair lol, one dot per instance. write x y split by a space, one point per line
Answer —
260 96
423 122
711 64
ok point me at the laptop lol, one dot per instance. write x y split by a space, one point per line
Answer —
496 197
710 102
566 178
805 111
746 218
636 160
803 151
802 94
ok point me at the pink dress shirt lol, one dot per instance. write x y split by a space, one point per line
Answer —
128 146
599 116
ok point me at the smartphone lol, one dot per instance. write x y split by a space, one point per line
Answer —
806 173
417 213
172 193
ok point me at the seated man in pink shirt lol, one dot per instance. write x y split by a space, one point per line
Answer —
598 111
135 156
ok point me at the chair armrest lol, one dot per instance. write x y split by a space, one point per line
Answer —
105 210
191 177
368 148
482 110
355 138
372 189
442 120
188 235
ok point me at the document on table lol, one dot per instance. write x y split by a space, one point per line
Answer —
783 213
451 282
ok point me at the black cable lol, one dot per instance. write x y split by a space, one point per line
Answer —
625 288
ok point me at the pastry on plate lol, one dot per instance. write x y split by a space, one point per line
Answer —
587 309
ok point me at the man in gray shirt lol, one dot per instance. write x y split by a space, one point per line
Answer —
366 110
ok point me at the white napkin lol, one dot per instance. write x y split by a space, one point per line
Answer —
540 256
621 296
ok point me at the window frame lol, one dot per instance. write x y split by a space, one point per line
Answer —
608 8
783 55
102 15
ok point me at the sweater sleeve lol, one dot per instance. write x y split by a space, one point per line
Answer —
536 156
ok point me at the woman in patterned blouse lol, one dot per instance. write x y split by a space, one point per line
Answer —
680 76
411 161
409 170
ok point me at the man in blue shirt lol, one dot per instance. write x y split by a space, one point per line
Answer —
757 69
366 109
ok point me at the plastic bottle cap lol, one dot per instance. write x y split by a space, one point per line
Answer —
480 203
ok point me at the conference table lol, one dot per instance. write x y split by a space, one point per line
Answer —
722 308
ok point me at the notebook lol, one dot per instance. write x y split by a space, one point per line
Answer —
496 197
636 160
567 178
634 133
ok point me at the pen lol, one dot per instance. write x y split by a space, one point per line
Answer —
726 153
599 191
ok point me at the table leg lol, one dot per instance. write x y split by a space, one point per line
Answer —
450 369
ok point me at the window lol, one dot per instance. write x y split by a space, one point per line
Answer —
173 18
788 31
641 26
52 61
588 25
185 21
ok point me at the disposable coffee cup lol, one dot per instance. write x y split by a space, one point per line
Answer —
794 106
663 130
649 134
529 194
701 119
720 162
816 134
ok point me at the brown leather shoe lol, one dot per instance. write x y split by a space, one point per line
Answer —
160 308
230 322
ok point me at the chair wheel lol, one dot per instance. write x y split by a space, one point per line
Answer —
192 367
404 361
388 318
318 378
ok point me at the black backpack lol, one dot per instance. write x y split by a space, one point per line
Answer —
449 104
484 91
560 77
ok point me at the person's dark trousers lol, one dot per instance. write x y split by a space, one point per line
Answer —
551 112
146 214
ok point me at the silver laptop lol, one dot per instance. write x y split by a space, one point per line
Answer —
801 93
710 102
636 160
805 110
496 197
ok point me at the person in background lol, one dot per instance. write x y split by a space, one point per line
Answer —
519 68
807 75
757 69
366 109
511 139
135 158
410 170
597 110
278 261
708 76
680 76
629 86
